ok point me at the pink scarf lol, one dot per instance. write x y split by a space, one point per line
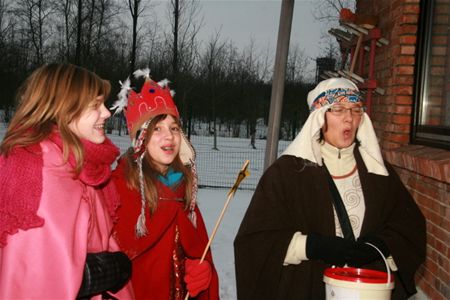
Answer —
21 182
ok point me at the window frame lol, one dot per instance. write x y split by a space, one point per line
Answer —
434 136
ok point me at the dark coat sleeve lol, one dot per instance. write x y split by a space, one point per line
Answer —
262 240
393 215
280 207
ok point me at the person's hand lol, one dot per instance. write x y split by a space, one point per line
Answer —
332 250
198 276
362 254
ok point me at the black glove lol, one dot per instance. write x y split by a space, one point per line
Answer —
104 271
332 250
362 254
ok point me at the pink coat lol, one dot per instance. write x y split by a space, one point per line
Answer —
47 262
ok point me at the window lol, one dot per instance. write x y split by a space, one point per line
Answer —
432 106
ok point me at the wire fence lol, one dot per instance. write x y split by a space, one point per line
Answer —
218 164
218 160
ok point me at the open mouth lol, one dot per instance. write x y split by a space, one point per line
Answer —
347 132
167 148
99 126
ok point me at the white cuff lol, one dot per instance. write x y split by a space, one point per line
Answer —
296 252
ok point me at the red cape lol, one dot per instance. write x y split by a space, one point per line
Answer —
153 256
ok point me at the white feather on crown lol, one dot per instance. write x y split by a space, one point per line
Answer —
165 83
142 73
122 97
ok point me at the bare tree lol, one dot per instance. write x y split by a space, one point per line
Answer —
35 16
213 74
136 9
296 64
185 23
66 29
328 10
4 23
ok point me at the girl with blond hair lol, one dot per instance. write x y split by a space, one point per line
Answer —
57 204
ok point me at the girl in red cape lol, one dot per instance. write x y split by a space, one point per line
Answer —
159 224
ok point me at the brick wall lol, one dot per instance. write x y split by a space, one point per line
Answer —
424 170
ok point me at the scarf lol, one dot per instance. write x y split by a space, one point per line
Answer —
171 178
18 205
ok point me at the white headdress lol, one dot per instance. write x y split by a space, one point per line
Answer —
328 92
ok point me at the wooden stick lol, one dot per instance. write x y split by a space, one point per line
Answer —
355 54
242 174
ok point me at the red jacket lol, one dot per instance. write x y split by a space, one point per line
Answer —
158 258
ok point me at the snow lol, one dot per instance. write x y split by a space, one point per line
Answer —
211 202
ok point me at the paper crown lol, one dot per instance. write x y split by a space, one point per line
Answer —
155 98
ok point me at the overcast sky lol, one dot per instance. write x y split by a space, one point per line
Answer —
244 20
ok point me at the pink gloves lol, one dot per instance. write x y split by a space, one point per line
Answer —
198 276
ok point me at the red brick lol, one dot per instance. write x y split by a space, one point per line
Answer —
441 19
440 29
405 70
402 90
406 60
387 145
407 50
443 275
438 232
399 138
443 7
425 189
411 9
440 40
444 289
408 40
401 109
409 19
437 50
397 128
438 60
431 266
408 29
403 99
446 225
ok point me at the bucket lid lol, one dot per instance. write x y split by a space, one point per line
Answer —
357 275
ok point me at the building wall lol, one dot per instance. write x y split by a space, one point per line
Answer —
424 170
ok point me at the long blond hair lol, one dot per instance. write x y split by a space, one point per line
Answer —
151 172
54 94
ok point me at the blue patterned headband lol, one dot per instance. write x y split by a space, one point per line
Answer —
335 95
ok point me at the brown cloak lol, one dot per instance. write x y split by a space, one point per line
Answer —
292 196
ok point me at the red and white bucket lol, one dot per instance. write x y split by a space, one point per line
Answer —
358 284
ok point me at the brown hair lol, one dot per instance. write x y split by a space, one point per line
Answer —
151 172
54 94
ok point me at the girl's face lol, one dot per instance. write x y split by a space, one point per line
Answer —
164 143
91 124
342 124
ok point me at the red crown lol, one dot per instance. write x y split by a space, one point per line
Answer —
153 100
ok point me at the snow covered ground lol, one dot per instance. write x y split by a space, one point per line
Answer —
211 202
